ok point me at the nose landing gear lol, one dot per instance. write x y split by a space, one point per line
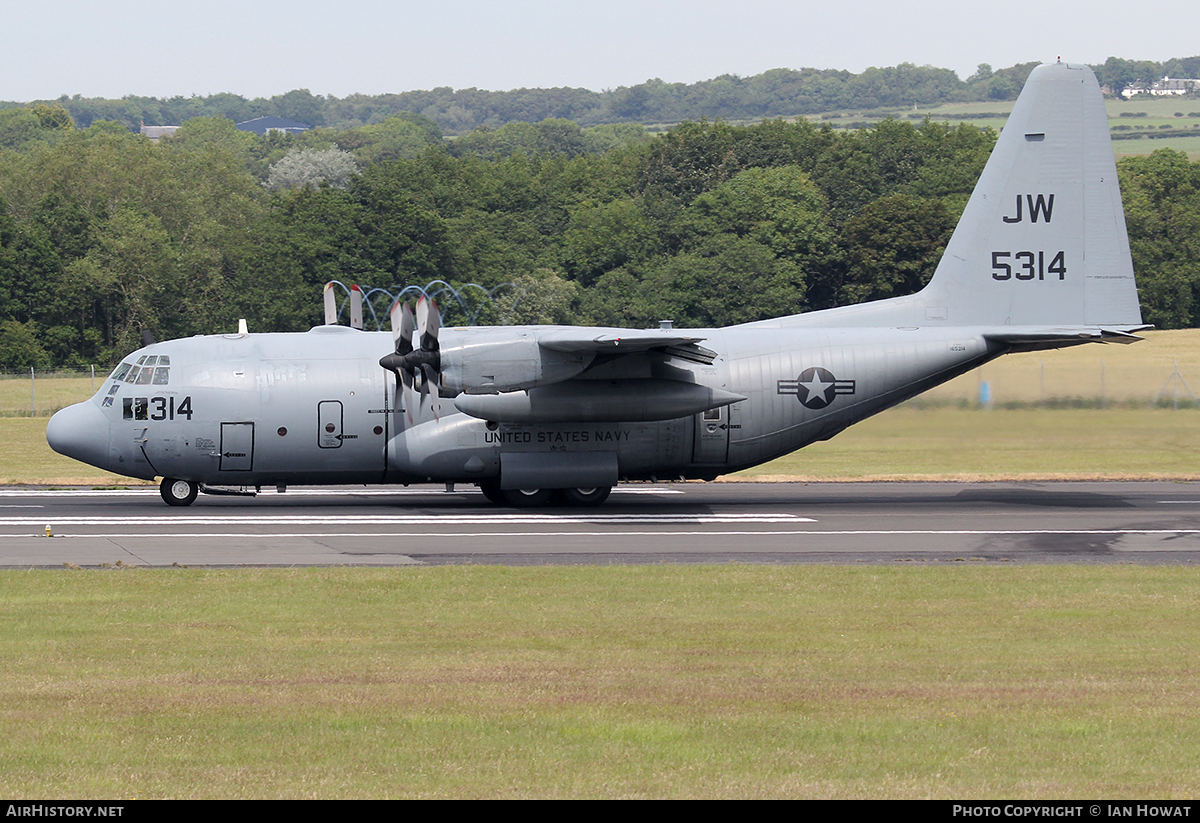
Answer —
178 492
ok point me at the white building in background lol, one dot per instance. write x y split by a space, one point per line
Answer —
1168 85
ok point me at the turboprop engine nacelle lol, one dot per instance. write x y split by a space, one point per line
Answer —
597 401
488 361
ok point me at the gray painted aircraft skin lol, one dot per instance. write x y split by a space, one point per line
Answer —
1040 259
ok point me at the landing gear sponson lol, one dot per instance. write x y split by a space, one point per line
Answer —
183 493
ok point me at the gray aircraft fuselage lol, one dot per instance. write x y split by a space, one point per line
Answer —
266 409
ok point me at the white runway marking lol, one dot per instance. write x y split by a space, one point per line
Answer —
304 492
400 520
713 533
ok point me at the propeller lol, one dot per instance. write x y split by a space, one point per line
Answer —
419 365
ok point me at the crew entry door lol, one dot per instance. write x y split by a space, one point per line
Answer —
237 447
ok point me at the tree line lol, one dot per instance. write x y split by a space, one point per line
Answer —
773 93
104 234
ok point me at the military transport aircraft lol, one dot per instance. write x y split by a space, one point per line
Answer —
535 414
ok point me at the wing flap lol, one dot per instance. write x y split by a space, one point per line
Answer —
626 341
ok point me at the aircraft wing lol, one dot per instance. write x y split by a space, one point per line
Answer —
626 341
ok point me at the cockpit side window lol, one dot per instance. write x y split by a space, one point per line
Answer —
121 371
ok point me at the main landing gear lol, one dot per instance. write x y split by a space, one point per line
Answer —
535 498
178 492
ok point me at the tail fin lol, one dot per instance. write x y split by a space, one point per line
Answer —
1042 241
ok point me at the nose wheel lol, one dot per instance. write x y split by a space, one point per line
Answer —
178 492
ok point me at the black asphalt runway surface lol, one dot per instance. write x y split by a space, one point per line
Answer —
842 523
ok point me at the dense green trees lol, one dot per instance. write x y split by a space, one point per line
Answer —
1162 212
108 234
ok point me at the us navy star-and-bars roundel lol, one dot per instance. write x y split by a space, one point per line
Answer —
816 387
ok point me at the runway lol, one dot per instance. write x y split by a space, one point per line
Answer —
844 523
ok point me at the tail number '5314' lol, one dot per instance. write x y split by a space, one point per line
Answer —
1030 265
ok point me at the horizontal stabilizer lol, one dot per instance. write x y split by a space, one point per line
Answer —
1033 339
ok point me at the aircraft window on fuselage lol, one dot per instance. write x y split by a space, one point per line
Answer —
142 360
151 360
164 360
161 375
120 371
144 377
132 376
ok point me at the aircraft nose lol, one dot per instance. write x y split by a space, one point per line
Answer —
80 432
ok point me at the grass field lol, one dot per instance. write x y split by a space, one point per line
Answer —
953 681
1142 114
45 393
1035 444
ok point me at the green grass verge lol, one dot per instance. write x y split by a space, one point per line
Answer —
1032 444
29 460
908 681
45 394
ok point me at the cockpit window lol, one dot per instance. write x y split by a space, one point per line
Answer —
147 373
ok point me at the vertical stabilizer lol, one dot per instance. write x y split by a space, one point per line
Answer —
1042 241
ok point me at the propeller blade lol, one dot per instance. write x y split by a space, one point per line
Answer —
408 325
429 388
356 301
429 340
422 319
401 317
429 361
330 305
